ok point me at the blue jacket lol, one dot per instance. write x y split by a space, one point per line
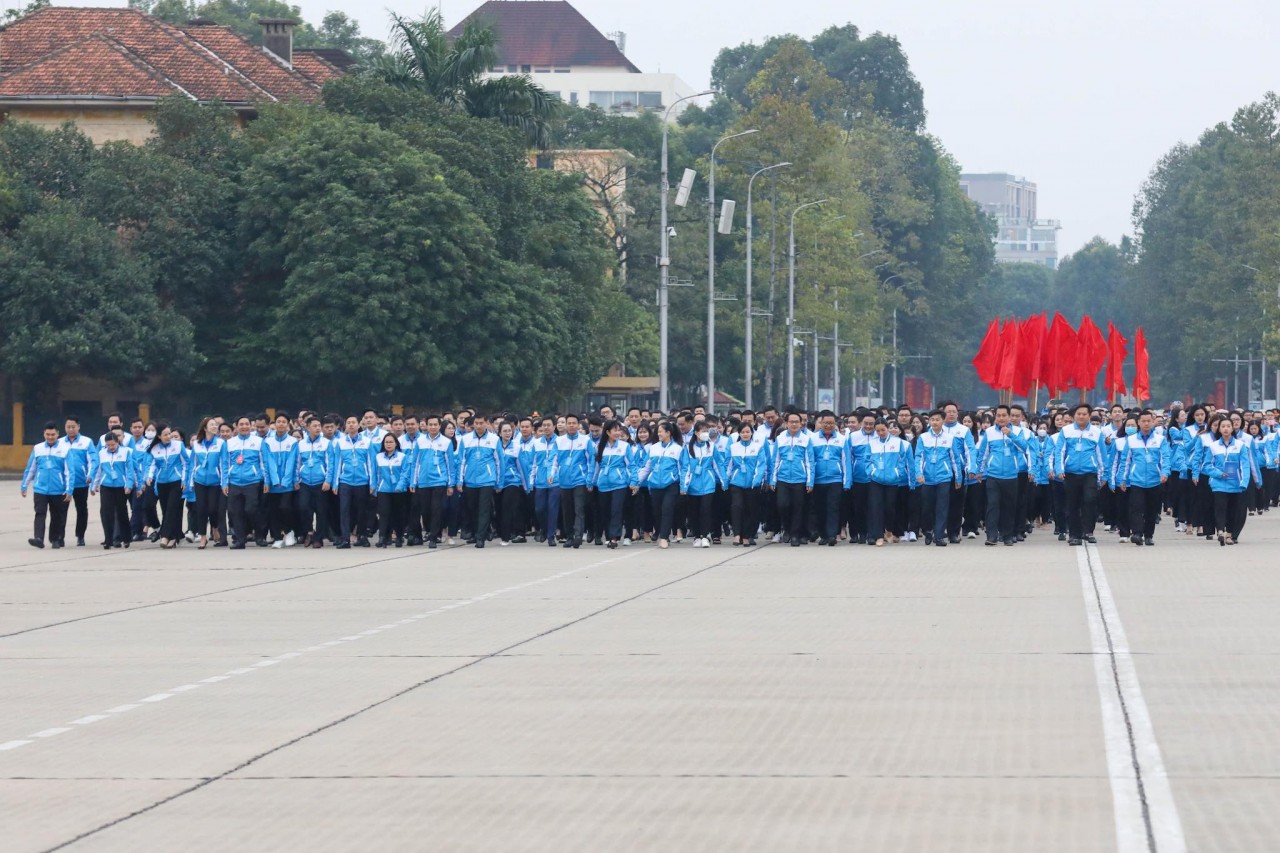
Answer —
80 460
613 469
512 465
701 471
1141 463
792 459
314 459
208 461
996 454
859 450
390 473
282 462
747 464
168 463
890 461
665 465
1081 451
434 462
639 460
352 461
542 471
574 461
479 460
245 462
831 459
1229 467
46 471
936 458
114 470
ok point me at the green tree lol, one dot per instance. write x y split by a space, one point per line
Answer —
338 30
76 300
451 71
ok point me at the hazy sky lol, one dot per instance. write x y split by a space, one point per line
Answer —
1080 96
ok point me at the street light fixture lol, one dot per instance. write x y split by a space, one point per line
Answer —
791 298
664 261
711 269
750 280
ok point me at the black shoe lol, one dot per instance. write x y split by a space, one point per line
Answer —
751 543
941 543
470 541
598 541
79 541
480 544
221 543
380 544
431 543
954 540
795 543
35 543
1073 542
239 546
57 543
399 543
154 537
362 542
342 545
574 543
106 547
991 542
539 538
831 543
928 539
1011 542
612 544
1135 539
715 540
1092 540
1150 541
1020 539
1062 537
519 540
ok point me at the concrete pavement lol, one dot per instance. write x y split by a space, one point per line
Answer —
528 698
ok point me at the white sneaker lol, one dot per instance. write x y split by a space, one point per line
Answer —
704 543
777 537
279 543
504 543
290 540
971 535
190 537
911 536
450 540
626 542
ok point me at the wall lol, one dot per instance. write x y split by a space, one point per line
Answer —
132 124
585 81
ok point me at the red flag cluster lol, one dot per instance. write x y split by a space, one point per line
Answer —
1017 355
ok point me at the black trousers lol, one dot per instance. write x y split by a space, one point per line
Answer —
742 511
1058 496
143 508
859 495
511 513
171 505
242 507
955 510
479 501
1229 513
573 512
1144 510
609 512
664 508
56 508
428 505
935 503
826 504
1082 502
975 503
80 497
1002 509
355 514
1203 509
312 515
208 510
882 507
113 511
280 514
391 515
791 508
701 512
1023 503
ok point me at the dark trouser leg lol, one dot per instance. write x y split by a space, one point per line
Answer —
791 508
80 497
664 509
547 502
975 498
859 497
417 511
826 499
1002 508
436 498
1058 495
1144 510
955 509
874 513
701 508
348 501
385 516
206 505
737 510
934 505
110 502
1236 517
1222 506
1024 497
573 504
484 510
617 499
1082 496
171 506
42 503
509 513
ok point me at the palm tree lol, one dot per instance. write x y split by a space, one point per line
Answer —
425 59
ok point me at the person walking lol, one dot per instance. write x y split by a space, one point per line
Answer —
47 478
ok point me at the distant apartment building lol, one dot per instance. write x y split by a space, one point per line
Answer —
560 50
1021 237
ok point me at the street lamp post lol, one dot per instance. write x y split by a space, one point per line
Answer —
895 346
664 262
750 280
711 269
791 298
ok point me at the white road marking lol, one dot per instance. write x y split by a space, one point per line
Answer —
213 679
1146 816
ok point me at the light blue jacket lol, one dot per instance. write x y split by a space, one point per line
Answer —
574 461
479 460
1081 451
1229 467
114 470
748 462
282 462
1141 462
168 463
80 460
665 465
208 461
246 462
314 459
613 469
702 470
391 473
831 459
512 465
435 462
891 461
792 459
936 458
46 471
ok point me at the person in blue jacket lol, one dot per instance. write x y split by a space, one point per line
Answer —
662 475
1143 460
390 488
832 476
995 462
243 481
1079 464
314 459
791 476
434 477
701 476
512 485
891 468
546 490
209 461
282 482
614 479
1228 465
80 462
479 470
168 476
572 469
938 473
46 476
113 482
747 464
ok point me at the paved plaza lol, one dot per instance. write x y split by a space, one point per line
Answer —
1037 698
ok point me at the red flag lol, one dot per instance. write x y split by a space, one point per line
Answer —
1009 349
1117 349
1031 337
1057 356
1141 374
1090 354
987 361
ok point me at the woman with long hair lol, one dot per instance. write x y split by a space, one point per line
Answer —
701 475
167 474
662 476
1228 467
209 465
745 475
613 479
511 487
637 504
891 468
390 488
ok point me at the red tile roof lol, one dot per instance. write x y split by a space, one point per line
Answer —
94 67
315 66
207 62
547 34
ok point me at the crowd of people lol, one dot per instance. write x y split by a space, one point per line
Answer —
873 477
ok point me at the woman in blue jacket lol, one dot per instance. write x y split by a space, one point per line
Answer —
168 475
638 517
662 475
701 475
890 461
512 485
613 479
745 475
390 483
1228 464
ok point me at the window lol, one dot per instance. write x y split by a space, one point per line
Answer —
603 100
650 100
562 70
546 161
497 69
525 69
625 101
512 69
542 71
573 99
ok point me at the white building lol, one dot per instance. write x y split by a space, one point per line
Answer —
1020 236
560 50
